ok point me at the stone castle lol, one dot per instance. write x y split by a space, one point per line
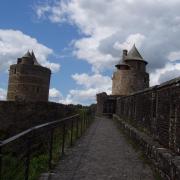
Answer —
130 77
131 73
28 80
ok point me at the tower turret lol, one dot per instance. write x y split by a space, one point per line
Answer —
135 60
122 64
131 74
28 80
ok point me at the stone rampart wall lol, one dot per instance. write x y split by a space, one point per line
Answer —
164 161
157 111
18 116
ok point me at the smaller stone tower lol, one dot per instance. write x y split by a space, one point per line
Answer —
28 80
131 74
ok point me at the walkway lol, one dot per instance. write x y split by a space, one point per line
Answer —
102 154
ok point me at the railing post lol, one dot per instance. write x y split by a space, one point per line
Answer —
72 127
63 137
1 155
88 121
27 161
77 128
84 124
84 121
81 125
50 149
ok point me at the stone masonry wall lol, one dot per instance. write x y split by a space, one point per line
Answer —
157 111
18 116
126 82
101 98
28 82
164 160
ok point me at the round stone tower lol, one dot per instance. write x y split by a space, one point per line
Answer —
28 80
131 74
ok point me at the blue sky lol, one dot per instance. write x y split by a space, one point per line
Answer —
82 40
20 15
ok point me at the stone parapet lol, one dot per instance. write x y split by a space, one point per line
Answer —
157 110
18 116
163 159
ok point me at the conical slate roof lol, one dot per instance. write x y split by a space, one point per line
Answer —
34 59
134 54
27 55
31 57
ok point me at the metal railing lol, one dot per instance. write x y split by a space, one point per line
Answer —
47 140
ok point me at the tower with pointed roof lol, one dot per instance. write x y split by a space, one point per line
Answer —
131 75
28 80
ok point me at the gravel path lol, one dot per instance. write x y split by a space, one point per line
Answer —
102 154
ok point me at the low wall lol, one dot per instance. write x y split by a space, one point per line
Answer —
106 104
18 116
157 111
166 162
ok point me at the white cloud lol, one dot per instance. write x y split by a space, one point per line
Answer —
130 41
54 93
168 75
109 26
86 94
3 94
173 56
55 14
53 66
41 10
169 72
87 48
85 97
14 44
94 81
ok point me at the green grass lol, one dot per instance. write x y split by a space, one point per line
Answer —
12 168
38 165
